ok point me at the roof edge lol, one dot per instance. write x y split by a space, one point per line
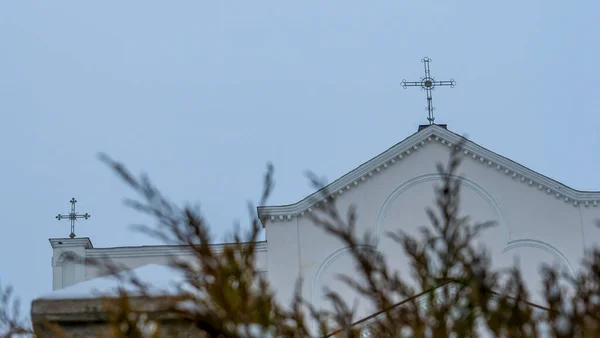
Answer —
161 250
71 242
412 143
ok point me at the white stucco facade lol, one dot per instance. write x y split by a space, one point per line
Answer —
70 254
539 220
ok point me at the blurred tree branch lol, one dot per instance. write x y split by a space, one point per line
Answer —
451 289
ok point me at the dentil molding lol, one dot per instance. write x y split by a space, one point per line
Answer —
415 142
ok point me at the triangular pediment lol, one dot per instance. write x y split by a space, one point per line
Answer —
399 152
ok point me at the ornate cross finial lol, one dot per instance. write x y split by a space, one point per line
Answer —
428 83
73 216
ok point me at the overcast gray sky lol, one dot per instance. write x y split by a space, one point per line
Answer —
201 95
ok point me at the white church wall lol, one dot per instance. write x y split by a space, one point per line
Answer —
70 255
532 224
133 262
283 257
68 261
590 219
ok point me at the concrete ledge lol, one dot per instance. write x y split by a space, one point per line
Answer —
89 318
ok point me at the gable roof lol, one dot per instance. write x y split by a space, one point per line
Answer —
416 141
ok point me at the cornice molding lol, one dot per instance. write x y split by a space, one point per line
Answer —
71 242
413 143
158 250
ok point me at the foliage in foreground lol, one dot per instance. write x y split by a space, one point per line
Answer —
227 297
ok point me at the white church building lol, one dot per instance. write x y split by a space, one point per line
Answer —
539 220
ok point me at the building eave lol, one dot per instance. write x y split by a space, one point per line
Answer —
159 250
71 242
413 143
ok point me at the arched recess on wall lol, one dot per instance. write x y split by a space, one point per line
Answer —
547 247
68 260
465 182
327 262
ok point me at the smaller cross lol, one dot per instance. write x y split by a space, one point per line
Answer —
428 83
73 216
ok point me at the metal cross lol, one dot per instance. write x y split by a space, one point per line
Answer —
73 216
428 83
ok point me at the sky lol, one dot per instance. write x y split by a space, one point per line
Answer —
202 95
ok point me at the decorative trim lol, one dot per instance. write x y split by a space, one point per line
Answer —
68 256
538 244
158 250
71 242
434 177
413 143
